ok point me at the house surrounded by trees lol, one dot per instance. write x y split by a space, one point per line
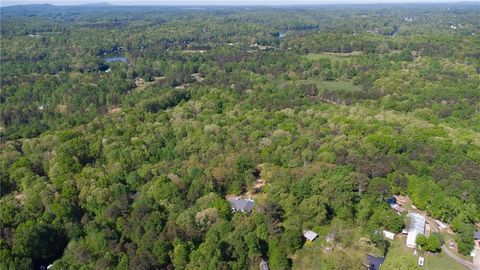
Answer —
242 205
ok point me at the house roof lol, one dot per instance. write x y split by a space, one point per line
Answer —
310 235
477 235
242 204
374 262
417 226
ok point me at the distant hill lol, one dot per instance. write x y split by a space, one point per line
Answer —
100 4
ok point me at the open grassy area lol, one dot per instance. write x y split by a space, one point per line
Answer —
331 56
441 261
308 257
438 261
343 86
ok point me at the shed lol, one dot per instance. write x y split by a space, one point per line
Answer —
310 235
374 262
264 265
389 235
440 224
242 205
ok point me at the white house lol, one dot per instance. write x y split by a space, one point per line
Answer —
417 226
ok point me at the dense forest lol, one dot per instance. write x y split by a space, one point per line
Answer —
125 131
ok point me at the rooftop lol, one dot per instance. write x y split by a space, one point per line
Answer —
417 226
310 235
374 262
243 205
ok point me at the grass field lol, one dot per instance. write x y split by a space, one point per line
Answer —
442 261
343 86
331 56
308 257
438 261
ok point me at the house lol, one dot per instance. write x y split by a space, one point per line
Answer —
264 265
417 226
374 262
242 205
389 235
310 235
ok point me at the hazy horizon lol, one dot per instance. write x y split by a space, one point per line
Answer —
219 2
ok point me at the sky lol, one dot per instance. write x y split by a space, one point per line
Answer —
213 2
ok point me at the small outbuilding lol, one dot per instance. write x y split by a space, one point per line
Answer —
242 205
389 235
264 265
310 235
440 224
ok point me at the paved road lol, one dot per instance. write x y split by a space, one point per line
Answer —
461 261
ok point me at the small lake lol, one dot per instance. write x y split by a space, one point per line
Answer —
116 59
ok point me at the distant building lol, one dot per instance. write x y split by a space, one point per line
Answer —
264 265
310 235
242 205
392 201
374 262
417 226
389 235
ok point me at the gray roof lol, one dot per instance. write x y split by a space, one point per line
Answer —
310 235
242 205
477 235
417 222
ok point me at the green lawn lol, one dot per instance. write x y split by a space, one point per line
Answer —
309 256
343 86
331 56
441 261
438 261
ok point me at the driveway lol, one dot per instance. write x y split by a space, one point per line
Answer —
476 259
461 261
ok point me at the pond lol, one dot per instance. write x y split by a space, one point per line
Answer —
116 59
